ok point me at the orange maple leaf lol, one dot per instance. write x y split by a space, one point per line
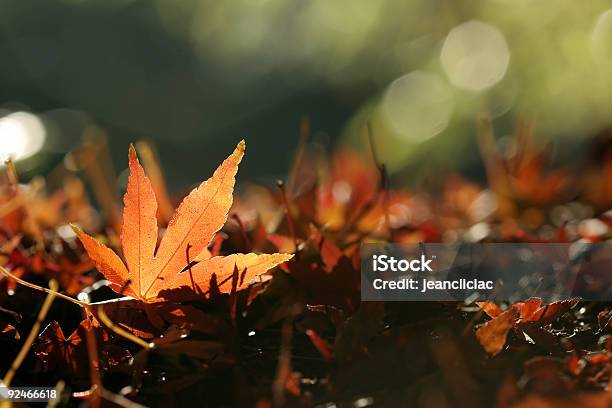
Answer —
149 275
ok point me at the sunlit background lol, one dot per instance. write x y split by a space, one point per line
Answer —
196 76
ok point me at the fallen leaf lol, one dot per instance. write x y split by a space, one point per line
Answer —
530 317
182 259
492 335
490 308
546 314
528 308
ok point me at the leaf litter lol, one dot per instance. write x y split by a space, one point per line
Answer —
253 299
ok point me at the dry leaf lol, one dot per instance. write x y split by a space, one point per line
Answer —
201 214
530 317
492 335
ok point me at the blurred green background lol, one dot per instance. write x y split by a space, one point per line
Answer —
197 76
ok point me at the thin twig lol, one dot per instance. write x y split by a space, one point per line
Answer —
290 223
5 272
300 152
121 332
381 190
33 333
384 176
94 364
100 311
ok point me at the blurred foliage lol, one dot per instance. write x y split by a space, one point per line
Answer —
199 75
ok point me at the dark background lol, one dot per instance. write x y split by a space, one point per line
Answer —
196 77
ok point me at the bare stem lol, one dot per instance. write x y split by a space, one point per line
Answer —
94 365
290 223
121 332
52 291
103 317
33 333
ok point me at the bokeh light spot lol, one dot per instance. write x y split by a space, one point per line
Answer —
475 56
22 135
418 106
601 38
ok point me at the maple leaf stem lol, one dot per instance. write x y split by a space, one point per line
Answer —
123 333
290 223
94 365
6 273
33 333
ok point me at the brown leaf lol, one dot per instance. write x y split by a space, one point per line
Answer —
527 308
548 313
492 335
490 308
